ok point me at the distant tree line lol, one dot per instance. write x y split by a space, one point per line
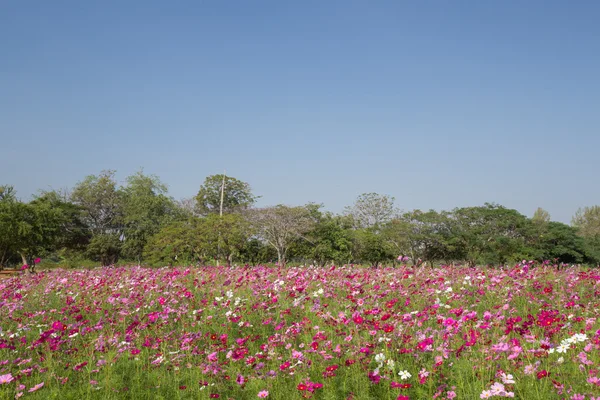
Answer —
102 222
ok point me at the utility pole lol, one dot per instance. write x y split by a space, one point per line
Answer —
222 194
221 216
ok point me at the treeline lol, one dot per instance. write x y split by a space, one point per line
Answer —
101 222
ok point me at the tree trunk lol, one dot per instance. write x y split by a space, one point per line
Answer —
23 258
279 256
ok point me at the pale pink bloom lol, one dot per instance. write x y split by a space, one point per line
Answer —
36 387
583 358
263 394
507 378
497 389
6 379
529 369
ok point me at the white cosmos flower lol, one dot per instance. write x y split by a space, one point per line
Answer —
562 348
404 375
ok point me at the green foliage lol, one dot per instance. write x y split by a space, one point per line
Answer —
560 242
104 248
329 240
491 234
140 222
176 243
541 216
587 222
72 232
426 236
237 195
28 230
146 207
230 232
371 247
101 202
256 251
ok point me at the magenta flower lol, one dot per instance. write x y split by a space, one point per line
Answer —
240 379
213 357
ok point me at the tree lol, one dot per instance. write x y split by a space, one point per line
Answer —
105 248
371 247
256 251
101 202
397 233
32 229
329 240
145 208
560 242
424 236
493 234
8 224
371 210
587 222
540 216
228 234
280 226
177 242
73 233
237 195
7 193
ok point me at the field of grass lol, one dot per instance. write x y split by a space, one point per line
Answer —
527 331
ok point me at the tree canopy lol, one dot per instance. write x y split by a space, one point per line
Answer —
139 222
237 195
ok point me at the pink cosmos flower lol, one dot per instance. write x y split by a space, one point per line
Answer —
36 387
240 379
263 394
6 379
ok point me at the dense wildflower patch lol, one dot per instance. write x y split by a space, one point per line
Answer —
345 332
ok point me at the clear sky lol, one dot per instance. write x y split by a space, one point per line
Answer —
439 103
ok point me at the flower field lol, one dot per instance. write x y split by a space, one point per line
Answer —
527 332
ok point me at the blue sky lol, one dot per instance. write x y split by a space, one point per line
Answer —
440 104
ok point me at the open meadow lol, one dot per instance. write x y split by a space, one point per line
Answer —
527 331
